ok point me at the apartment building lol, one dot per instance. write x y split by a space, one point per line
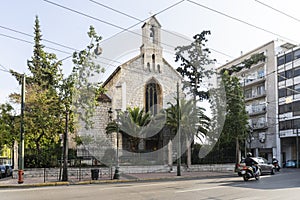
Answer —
259 85
288 66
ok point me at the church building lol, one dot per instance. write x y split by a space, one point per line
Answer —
146 81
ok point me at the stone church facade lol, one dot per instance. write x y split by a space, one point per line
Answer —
146 81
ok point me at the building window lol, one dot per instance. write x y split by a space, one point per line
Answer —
297 89
296 54
260 73
152 34
289 74
281 76
248 93
153 93
296 124
285 125
297 71
289 91
260 90
296 108
158 68
288 57
148 67
153 62
280 60
285 108
282 92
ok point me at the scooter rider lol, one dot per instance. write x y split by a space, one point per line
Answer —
251 162
276 163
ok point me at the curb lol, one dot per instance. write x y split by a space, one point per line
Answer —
67 183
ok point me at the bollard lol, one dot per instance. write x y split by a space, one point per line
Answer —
20 176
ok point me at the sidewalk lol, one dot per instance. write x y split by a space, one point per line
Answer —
40 182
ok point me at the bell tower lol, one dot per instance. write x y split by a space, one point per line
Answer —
151 48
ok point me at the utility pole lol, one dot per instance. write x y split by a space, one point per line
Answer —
117 172
179 135
297 150
21 149
65 147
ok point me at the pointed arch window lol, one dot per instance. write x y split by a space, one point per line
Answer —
153 96
152 34
153 62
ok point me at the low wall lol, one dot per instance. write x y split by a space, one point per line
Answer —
104 171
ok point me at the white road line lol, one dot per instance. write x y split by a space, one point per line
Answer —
198 189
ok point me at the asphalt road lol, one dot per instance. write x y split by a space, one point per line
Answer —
283 185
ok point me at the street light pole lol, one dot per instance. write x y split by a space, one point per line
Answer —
297 149
65 147
117 172
21 149
179 135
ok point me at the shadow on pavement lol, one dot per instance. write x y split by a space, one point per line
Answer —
286 178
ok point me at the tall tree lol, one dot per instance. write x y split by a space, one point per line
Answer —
78 92
194 68
193 122
236 123
43 120
194 65
8 125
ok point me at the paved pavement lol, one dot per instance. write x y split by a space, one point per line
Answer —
41 181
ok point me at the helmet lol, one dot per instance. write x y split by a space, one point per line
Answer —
249 154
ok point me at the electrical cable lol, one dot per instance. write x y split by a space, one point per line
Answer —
279 11
29 42
141 21
241 21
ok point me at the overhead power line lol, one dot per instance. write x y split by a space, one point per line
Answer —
29 42
241 21
4 69
49 41
279 11
141 21
102 21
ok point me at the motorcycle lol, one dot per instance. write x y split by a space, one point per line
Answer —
247 172
276 166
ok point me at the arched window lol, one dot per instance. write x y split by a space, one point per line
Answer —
153 62
153 96
152 33
158 68
148 67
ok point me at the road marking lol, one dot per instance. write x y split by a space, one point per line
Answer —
198 189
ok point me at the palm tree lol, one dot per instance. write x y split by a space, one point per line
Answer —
131 123
193 122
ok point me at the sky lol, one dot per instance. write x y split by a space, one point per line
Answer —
236 27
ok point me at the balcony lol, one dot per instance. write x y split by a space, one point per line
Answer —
259 125
257 110
255 96
253 81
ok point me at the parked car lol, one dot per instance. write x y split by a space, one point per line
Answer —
265 166
291 164
2 171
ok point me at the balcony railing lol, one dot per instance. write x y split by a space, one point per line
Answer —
257 109
259 125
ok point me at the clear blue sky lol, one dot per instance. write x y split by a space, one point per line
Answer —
59 25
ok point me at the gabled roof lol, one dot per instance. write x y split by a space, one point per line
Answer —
154 18
119 68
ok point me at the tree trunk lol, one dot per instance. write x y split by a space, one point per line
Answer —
237 154
188 153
